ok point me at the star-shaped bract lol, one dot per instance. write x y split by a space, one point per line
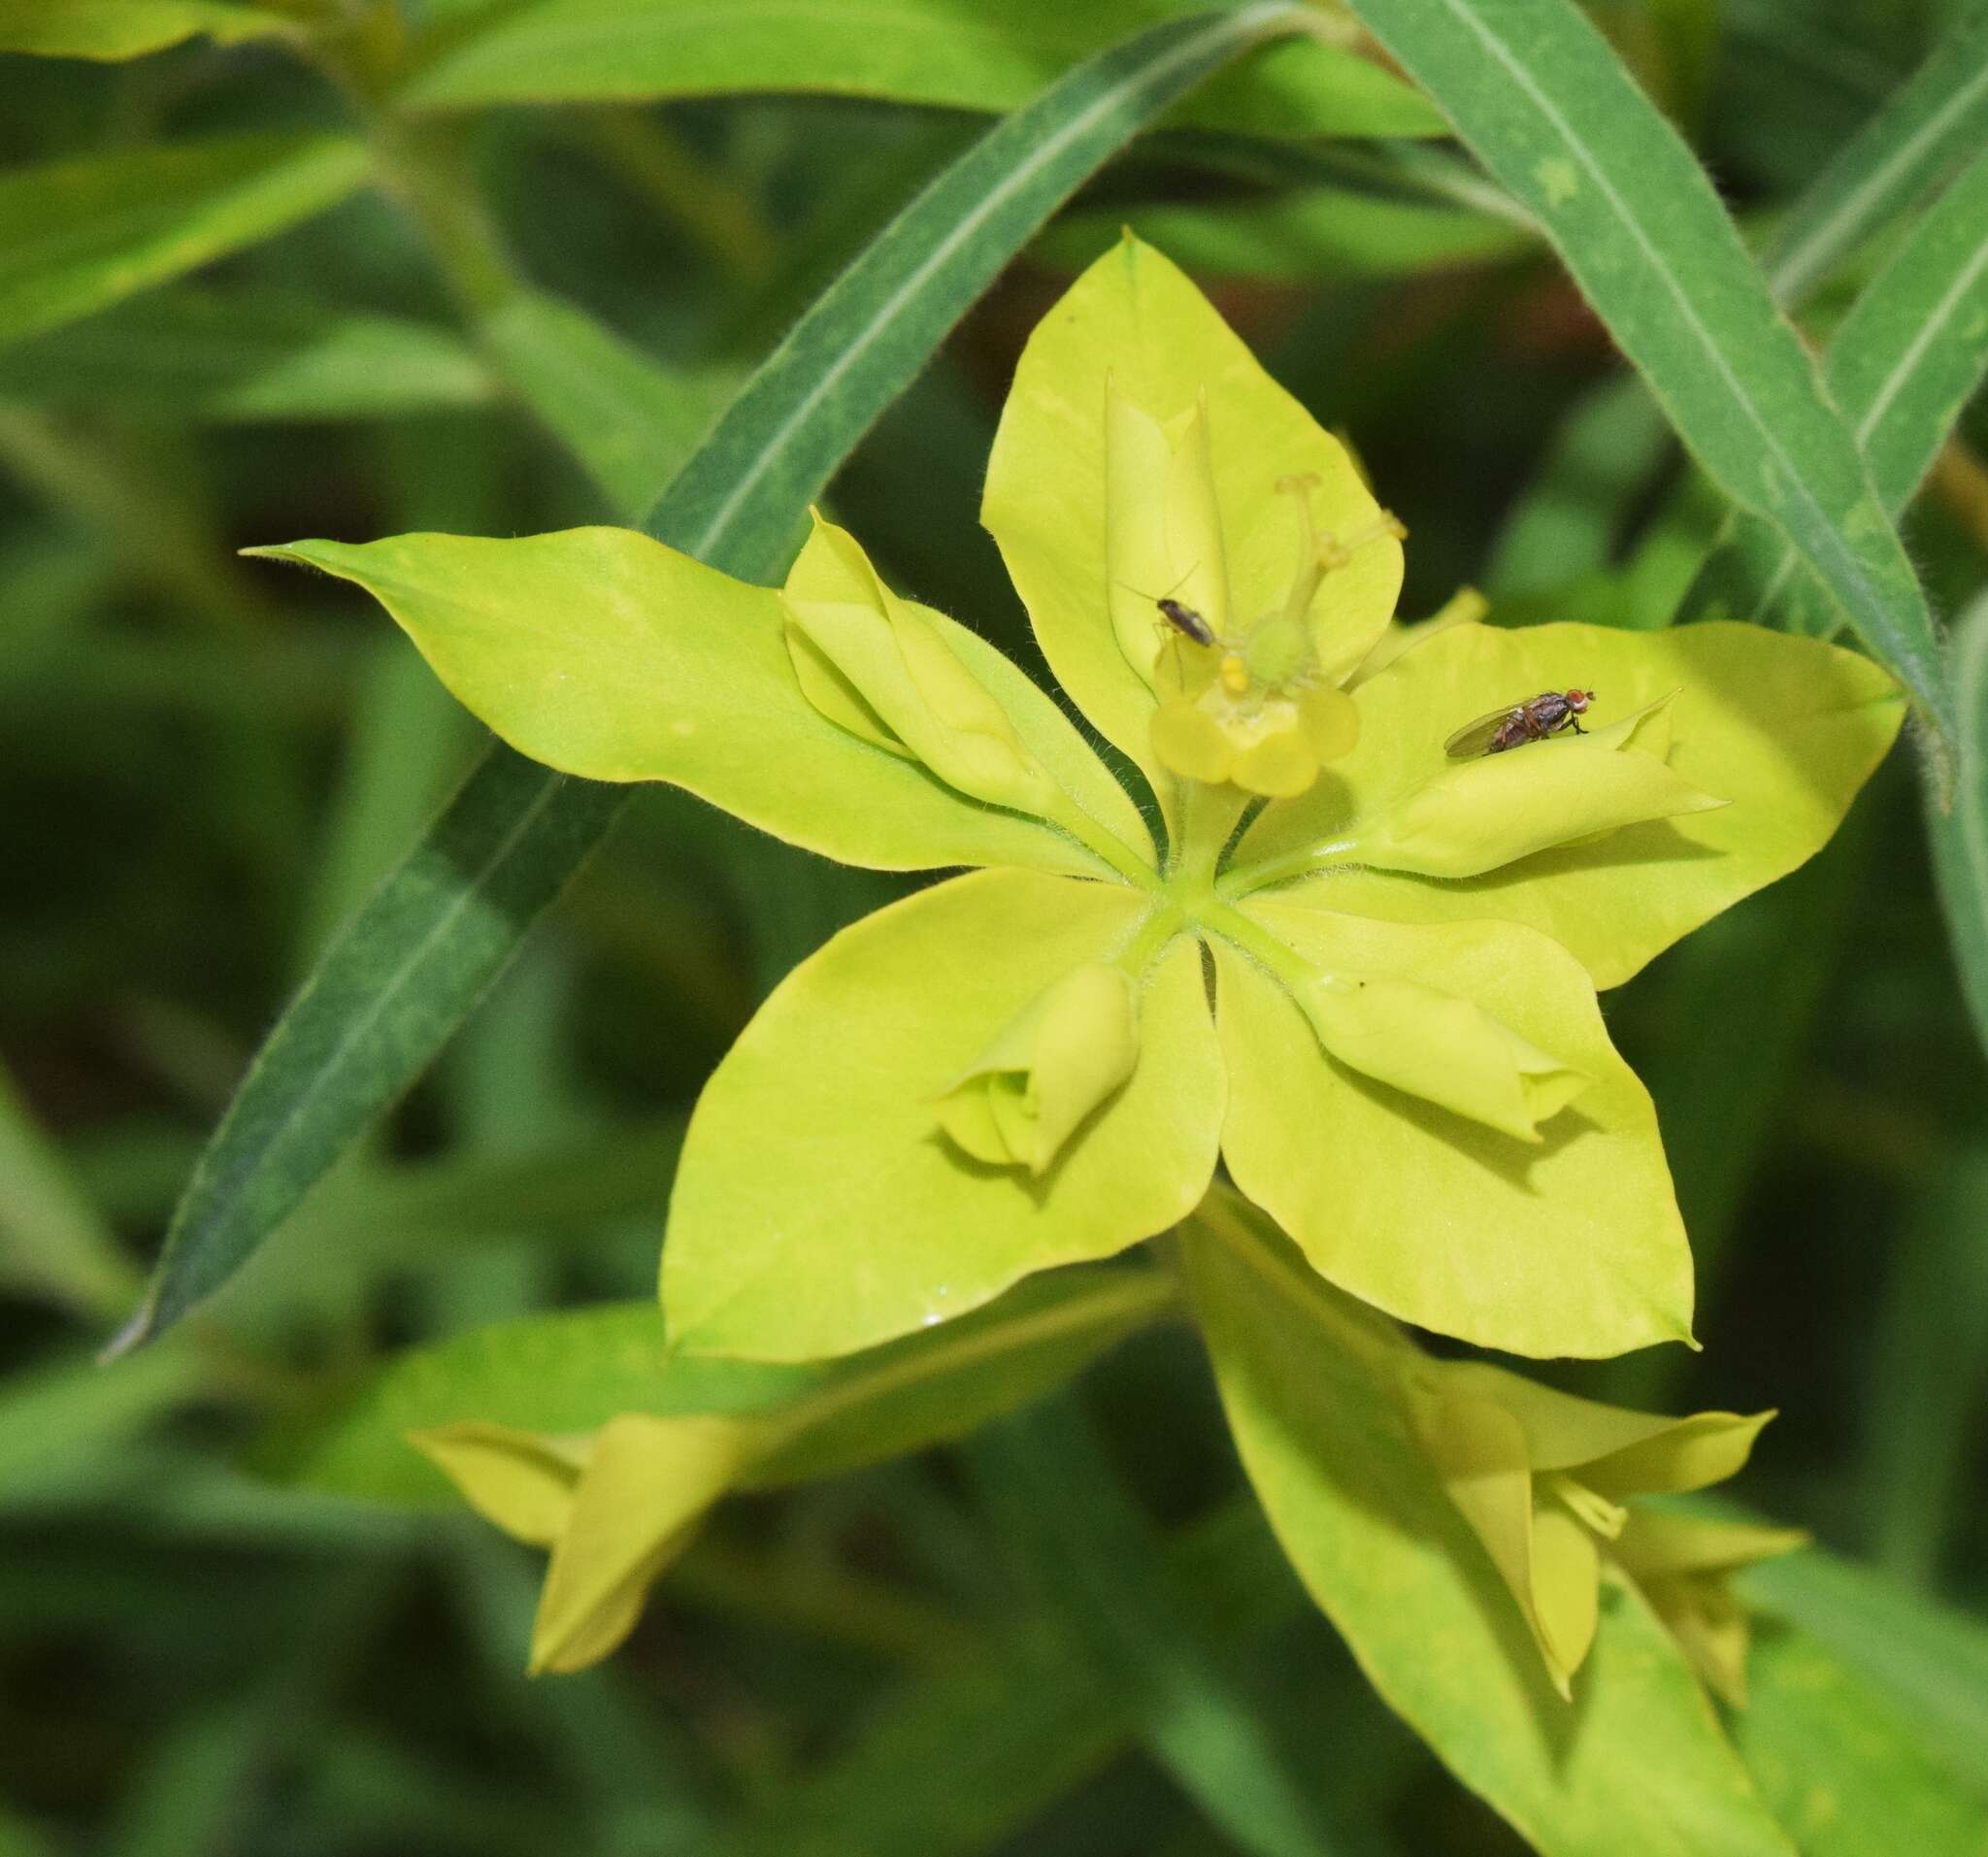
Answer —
1379 1006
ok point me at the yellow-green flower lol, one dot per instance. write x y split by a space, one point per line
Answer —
1375 1001
1547 1483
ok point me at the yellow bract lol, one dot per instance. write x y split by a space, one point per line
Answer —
1543 1478
1245 697
1140 457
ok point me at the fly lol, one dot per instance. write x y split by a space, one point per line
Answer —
1533 721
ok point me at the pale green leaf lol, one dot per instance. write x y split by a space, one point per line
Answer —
1927 1660
630 421
819 1209
247 356
994 57
1840 1766
1533 89
1785 730
53 1243
646 1486
1635 1763
78 235
603 654
1569 1245
119 30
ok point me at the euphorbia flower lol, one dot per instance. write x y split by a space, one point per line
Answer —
1546 1483
1399 1056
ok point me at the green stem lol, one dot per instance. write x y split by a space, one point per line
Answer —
419 165
1312 858
1107 846
1154 932
1208 819
1257 942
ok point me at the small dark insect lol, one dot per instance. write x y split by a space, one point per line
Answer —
1178 613
1533 721
1185 619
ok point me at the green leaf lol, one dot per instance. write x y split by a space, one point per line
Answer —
55 1412
561 1373
1960 838
1094 1557
994 58
1934 121
632 424
117 29
1839 1766
443 926
1536 93
604 654
619 1505
963 1763
572 1371
1296 238
1901 366
53 1241
1928 1377
872 1223
401 977
881 319
248 356
77 236
1929 1661
1568 1245
1637 1762
1335 209
1567 519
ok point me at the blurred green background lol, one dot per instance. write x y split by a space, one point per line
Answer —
205 763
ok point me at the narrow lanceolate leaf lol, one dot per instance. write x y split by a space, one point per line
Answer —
111 30
995 56
417 957
1939 118
870 332
80 235
1901 366
189 352
390 990
1960 838
1550 111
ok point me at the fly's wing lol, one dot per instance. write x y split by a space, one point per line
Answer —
1474 738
